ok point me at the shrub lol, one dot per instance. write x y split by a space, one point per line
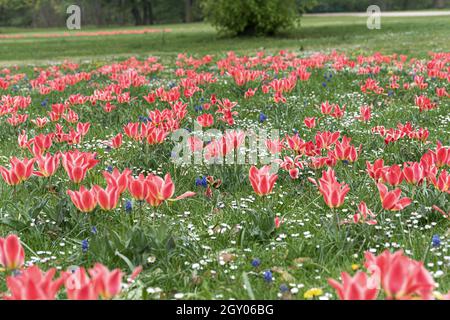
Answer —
251 17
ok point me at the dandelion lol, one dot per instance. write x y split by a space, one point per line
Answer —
312 293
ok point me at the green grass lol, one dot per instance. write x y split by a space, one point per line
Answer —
412 35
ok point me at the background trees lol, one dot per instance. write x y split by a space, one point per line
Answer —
251 17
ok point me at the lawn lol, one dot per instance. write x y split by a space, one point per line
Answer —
227 241
415 35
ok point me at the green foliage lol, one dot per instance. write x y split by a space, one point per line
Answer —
249 17
261 227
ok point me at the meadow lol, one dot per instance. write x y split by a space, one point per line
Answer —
87 161
411 35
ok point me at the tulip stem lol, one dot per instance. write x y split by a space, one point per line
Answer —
336 214
141 215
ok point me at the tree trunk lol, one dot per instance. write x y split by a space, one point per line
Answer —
148 12
98 12
136 15
188 11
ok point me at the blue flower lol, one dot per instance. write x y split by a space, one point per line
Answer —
94 230
435 241
144 119
84 245
324 84
128 206
109 169
256 262
328 75
390 93
201 182
268 277
44 102
262 117
198 108
284 288
16 272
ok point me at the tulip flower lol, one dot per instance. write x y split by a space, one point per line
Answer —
79 286
364 215
76 173
274 146
324 140
375 171
47 165
295 143
400 276
205 120
365 113
22 140
33 284
310 122
414 173
116 142
291 165
77 164
261 180
20 171
117 179
106 199
12 255
160 190
156 136
345 151
392 175
97 283
85 200
442 155
106 283
354 288
442 183
332 191
138 187
391 200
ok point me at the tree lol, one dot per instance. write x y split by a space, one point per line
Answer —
250 17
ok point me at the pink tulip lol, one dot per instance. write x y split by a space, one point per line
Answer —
261 180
